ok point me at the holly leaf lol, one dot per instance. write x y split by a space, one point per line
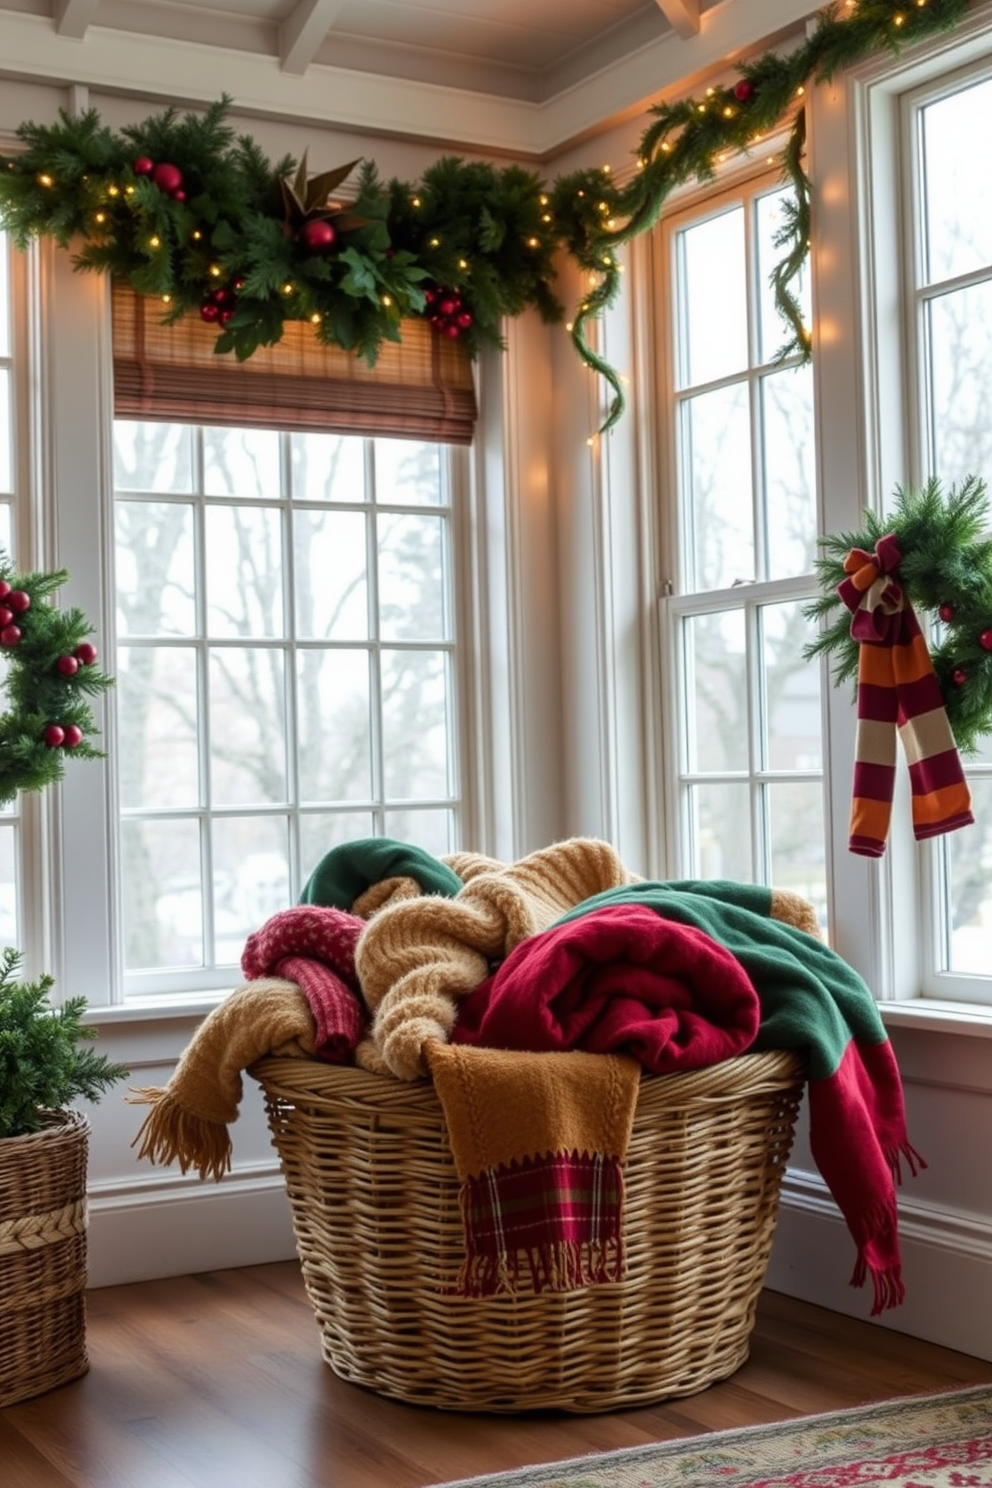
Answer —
360 280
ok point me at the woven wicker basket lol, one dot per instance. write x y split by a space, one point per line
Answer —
375 1203
43 1257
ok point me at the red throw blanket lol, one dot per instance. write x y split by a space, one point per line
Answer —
314 947
620 981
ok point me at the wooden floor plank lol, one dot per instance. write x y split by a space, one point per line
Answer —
216 1381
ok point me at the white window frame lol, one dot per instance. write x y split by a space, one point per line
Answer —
74 934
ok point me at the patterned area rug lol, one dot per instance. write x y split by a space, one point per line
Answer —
923 1441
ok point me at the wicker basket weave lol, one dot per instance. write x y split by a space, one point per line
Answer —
375 1204
43 1257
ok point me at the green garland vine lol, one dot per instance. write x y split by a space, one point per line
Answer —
185 210
51 672
946 574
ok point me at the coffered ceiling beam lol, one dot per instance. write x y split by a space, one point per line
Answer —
303 31
682 15
72 17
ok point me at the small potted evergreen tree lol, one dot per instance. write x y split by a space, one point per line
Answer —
45 1059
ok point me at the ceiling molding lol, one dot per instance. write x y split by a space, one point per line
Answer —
682 16
163 70
72 17
304 31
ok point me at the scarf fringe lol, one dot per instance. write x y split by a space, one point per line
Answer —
563 1266
887 1283
170 1133
913 1160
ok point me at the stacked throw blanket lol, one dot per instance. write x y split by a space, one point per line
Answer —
418 957
812 1000
538 1142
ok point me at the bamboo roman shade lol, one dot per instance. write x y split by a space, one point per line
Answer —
421 389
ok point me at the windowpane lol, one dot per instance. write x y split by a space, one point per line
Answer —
794 739
4 296
716 691
320 832
712 289
162 894
245 568
411 578
957 209
332 597
157 750
247 725
797 830
335 726
790 471
415 724
407 473
328 467
434 831
153 457
9 930
6 425
969 855
154 570
240 462
960 334
251 879
721 831
716 459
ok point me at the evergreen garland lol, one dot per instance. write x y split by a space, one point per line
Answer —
946 574
52 671
466 245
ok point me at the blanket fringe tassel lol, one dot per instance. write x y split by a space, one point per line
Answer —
170 1133
558 1267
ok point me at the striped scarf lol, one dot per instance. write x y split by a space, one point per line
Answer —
897 691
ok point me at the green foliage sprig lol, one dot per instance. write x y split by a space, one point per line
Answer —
51 674
489 235
946 574
44 1064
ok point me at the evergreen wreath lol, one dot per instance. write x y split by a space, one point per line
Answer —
184 210
51 672
945 573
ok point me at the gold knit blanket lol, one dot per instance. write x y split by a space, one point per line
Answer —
538 1142
189 1118
417 957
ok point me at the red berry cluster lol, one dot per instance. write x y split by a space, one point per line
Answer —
12 602
447 313
167 177
68 735
219 305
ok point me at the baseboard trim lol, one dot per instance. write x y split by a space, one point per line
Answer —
946 1255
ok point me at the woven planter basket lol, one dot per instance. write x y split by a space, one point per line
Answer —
43 1257
375 1204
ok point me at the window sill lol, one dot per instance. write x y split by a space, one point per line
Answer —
969 1018
156 1009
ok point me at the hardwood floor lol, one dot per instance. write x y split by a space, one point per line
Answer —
216 1381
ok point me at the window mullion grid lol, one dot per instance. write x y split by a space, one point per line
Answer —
204 721
291 703
757 733
374 643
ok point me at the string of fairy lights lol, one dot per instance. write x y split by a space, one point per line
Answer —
187 211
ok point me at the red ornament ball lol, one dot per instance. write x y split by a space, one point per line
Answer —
10 635
86 653
5 616
226 314
743 90
18 601
317 235
450 329
54 735
985 639
73 735
464 319
946 613
67 665
143 166
4 588
959 676
209 312
167 177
